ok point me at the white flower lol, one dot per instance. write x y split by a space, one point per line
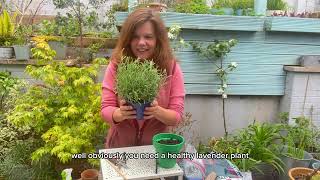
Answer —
175 28
224 85
182 41
220 70
234 64
171 36
224 95
220 90
232 41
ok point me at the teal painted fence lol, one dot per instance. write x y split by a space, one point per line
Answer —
265 45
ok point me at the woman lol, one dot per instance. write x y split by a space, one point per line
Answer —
143 35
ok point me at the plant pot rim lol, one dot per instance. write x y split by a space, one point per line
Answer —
169 145
300 169
21 45
158 4
95 172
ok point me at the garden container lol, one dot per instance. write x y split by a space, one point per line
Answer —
90 174
78 166
291 162
298 171
22 52
239 12
315 165
159 7
260 7
264 171
310 61
227 11
216 11
87 41
6 52
60 48
166 145
140 109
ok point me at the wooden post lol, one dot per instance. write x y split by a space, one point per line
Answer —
260 7
132 4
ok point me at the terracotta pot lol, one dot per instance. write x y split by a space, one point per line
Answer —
78 166
294 172
160 7
90 174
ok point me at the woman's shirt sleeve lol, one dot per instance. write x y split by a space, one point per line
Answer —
109 98
177 95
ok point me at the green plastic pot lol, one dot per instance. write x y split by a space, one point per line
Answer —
164 150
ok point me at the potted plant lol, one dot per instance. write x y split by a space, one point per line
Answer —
21 44
84 14
295 157
6 35
138 82
304 174
256 140
160 7
48 30
241 6
225 6
167 145
192 6
276 7
90 174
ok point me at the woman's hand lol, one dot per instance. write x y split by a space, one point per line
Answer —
124 112
166 116
152 111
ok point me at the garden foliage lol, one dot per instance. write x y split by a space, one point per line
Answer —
64 109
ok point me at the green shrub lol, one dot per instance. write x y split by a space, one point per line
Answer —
257 140
10 135
17 164
7 28
222 4
193 6
7 83
64 110
276 5
303 135
10 88
137 81
242 4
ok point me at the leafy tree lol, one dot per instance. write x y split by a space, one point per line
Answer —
216 52
83 12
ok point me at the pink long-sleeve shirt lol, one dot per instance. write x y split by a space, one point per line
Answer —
134 132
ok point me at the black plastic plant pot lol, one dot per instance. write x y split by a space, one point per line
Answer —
140 109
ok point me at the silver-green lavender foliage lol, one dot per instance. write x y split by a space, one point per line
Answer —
138 81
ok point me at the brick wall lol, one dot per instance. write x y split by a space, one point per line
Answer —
302 96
